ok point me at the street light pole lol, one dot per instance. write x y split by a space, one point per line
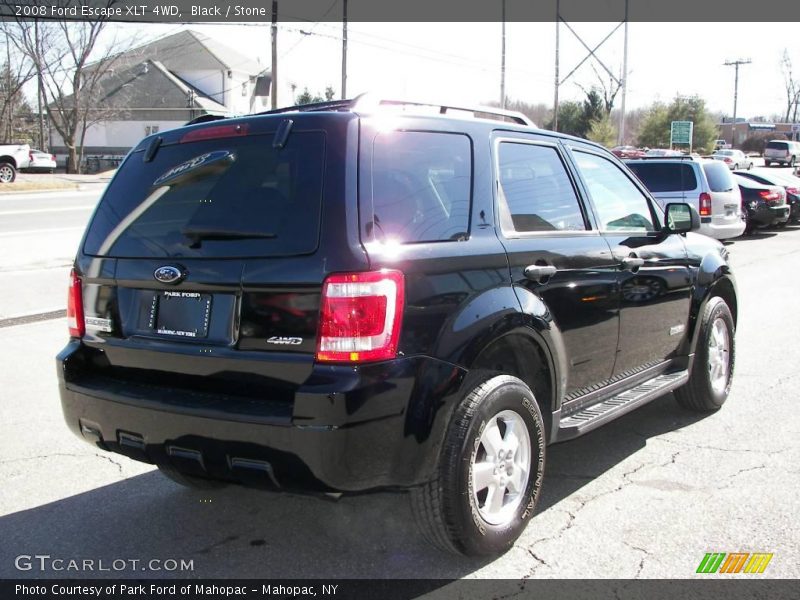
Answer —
344 50
273 91
735 64
503 60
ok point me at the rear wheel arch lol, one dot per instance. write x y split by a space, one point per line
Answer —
10 160
521 355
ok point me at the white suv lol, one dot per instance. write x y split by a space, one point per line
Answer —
784 152
705 184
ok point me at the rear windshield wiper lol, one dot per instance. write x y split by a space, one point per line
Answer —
197 235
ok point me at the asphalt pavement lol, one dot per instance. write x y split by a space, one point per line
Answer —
646 496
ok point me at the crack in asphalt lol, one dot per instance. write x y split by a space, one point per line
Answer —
64 455
641 562
690 445
582 503
730 483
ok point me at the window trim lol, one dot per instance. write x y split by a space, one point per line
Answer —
655 210
514 234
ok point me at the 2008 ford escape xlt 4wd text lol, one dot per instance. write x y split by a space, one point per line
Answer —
358 295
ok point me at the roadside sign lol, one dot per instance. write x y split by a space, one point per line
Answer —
681 132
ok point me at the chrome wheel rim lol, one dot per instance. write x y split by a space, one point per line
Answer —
500 467
719 346
6 173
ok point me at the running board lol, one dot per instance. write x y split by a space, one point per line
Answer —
598 414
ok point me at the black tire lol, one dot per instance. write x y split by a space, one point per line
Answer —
7 172
749 166
735 166
767 163
698 394
446 509
791 162
190 481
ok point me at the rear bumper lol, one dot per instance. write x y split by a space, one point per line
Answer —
723 231
766 215
346 429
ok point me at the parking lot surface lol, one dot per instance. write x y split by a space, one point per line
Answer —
643 497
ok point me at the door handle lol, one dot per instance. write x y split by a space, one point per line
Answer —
538 272
631 263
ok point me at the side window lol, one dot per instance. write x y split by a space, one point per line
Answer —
420 188
536 193
619 203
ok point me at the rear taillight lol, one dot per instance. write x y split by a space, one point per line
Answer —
770 195
792 190
705 204
75 321
361 316
53 157
216 132
30 156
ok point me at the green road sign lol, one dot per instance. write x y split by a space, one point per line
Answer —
681 132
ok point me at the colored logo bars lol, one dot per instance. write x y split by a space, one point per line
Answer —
735 562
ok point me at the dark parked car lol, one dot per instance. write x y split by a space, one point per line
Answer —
764 205
341 298
790 183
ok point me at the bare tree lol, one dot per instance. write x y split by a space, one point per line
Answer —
62 53
17 71
608 90
792 87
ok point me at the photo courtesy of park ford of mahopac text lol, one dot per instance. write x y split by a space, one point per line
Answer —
390 300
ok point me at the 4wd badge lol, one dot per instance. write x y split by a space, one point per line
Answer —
285 341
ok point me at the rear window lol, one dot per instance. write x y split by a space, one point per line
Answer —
665 177
778 145
418 187
229 197
719 177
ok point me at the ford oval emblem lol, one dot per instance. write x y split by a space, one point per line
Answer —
168 274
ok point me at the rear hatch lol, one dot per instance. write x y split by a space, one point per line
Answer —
673 181
206 256
726 198
776 150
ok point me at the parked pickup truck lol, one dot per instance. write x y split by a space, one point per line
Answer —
13 157
722 145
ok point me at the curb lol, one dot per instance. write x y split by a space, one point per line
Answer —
33 318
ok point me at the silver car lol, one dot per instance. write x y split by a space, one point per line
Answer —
705 184
782 152
734 159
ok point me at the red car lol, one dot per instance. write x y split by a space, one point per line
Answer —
627 152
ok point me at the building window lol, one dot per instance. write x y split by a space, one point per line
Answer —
150 129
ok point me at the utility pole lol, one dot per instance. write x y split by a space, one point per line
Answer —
44 147
624 80
344 49
735 64
9 133
273 88
558 82
503 59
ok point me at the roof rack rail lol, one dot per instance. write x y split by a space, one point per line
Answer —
205 119
369 103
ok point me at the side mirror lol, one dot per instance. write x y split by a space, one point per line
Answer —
680 217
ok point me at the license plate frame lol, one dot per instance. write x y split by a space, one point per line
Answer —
178 314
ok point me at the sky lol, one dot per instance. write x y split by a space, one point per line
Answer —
460 62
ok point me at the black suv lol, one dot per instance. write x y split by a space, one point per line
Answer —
346 296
